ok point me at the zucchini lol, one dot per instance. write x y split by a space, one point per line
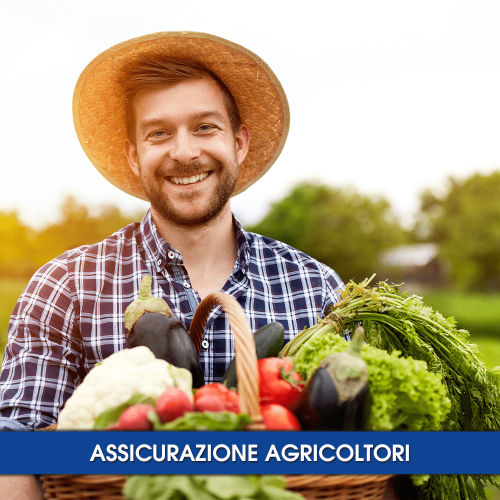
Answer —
268 343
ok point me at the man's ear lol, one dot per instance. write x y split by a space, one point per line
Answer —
131 153
242 143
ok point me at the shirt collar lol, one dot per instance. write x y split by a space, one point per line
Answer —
161 253
243 257
157 249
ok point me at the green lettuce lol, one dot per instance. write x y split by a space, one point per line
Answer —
403 394
236 487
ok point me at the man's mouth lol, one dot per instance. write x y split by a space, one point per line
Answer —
189 180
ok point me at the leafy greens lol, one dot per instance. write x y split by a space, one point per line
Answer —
217 487
403 394
396 321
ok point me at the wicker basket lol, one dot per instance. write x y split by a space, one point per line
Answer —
312 487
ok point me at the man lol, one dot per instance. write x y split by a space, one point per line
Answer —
201 119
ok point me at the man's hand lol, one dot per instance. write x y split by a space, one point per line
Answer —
20 488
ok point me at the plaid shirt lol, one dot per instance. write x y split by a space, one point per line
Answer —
70 316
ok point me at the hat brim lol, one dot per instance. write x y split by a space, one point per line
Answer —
99 102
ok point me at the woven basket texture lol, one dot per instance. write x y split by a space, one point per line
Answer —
312 487
109 487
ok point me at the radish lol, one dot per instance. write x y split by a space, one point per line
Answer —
135 418
172 404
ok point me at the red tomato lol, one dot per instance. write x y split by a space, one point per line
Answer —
232 401
279 418
229 399
279 383
172 404
215 389
209 402
135 418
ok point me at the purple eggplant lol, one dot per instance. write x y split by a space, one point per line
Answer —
335 398
150 322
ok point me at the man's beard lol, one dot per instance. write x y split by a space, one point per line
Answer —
164 207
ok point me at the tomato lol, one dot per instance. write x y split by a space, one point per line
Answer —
209 402
135 418
228 398
279 383
216 389
172 404
232 401
279 418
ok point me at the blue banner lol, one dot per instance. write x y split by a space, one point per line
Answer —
115 452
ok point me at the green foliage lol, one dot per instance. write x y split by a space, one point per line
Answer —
217 487
343 229
403 394
23 250
205 421
17 243
402 322
479 313
78 226
109 417
465 222
490 350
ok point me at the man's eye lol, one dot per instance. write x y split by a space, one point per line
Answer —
205 127
158 134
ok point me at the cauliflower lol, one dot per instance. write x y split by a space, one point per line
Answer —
116 380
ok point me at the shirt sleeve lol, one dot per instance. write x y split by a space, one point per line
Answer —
333 288
40 369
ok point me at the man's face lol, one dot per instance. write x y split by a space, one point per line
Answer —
186 154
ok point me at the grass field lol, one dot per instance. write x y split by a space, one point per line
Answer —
477 313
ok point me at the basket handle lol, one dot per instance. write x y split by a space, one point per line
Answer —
244 346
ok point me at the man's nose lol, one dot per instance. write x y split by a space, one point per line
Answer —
184 148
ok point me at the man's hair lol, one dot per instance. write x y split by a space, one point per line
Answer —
152 71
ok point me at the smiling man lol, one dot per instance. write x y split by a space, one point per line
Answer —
184 148
186 121
186 151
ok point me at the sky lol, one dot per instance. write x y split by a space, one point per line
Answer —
389 97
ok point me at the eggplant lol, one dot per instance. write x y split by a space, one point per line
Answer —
150 322
335 398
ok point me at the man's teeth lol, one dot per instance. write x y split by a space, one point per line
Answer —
189 180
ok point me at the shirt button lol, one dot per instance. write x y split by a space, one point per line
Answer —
158 262
205 344
186 285
171 255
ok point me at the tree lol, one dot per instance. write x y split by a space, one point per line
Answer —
77 226
339 227
23 250
16 246
465 222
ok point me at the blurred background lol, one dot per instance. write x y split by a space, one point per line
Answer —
392 164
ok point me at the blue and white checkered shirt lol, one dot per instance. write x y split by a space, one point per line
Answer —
70 315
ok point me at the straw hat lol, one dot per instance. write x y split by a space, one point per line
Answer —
99 102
